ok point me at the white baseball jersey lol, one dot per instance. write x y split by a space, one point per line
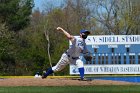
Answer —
76 48
72 55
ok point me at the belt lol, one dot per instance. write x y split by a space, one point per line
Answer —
71 56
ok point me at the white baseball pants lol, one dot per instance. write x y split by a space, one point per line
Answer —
65 60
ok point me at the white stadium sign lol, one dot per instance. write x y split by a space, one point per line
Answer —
112 39
107 69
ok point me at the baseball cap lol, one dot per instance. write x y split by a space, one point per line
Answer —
84 31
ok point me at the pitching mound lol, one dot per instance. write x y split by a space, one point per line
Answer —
57 82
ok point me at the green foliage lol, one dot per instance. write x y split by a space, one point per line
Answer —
7 60
16 13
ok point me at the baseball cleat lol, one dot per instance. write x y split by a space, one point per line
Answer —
85 79
43 75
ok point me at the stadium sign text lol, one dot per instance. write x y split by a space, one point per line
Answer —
112 39
107 69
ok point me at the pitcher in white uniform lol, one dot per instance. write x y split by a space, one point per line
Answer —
71 56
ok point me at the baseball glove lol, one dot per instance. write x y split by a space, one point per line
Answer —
87 57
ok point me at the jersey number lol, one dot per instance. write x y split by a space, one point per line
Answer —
80 44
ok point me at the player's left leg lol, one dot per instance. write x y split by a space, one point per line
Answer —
80 66
58 67
45 74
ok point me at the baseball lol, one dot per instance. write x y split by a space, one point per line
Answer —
59 28
37 76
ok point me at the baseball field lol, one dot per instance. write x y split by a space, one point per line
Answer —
64 85
72 89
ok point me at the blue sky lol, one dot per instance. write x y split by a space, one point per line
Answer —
40 3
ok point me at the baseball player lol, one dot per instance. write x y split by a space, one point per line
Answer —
71 56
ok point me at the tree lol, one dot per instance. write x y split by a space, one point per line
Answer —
76 15
7 53
16 13
116 16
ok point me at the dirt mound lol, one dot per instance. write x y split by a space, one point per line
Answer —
57 82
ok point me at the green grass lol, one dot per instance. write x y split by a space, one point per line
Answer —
73 89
